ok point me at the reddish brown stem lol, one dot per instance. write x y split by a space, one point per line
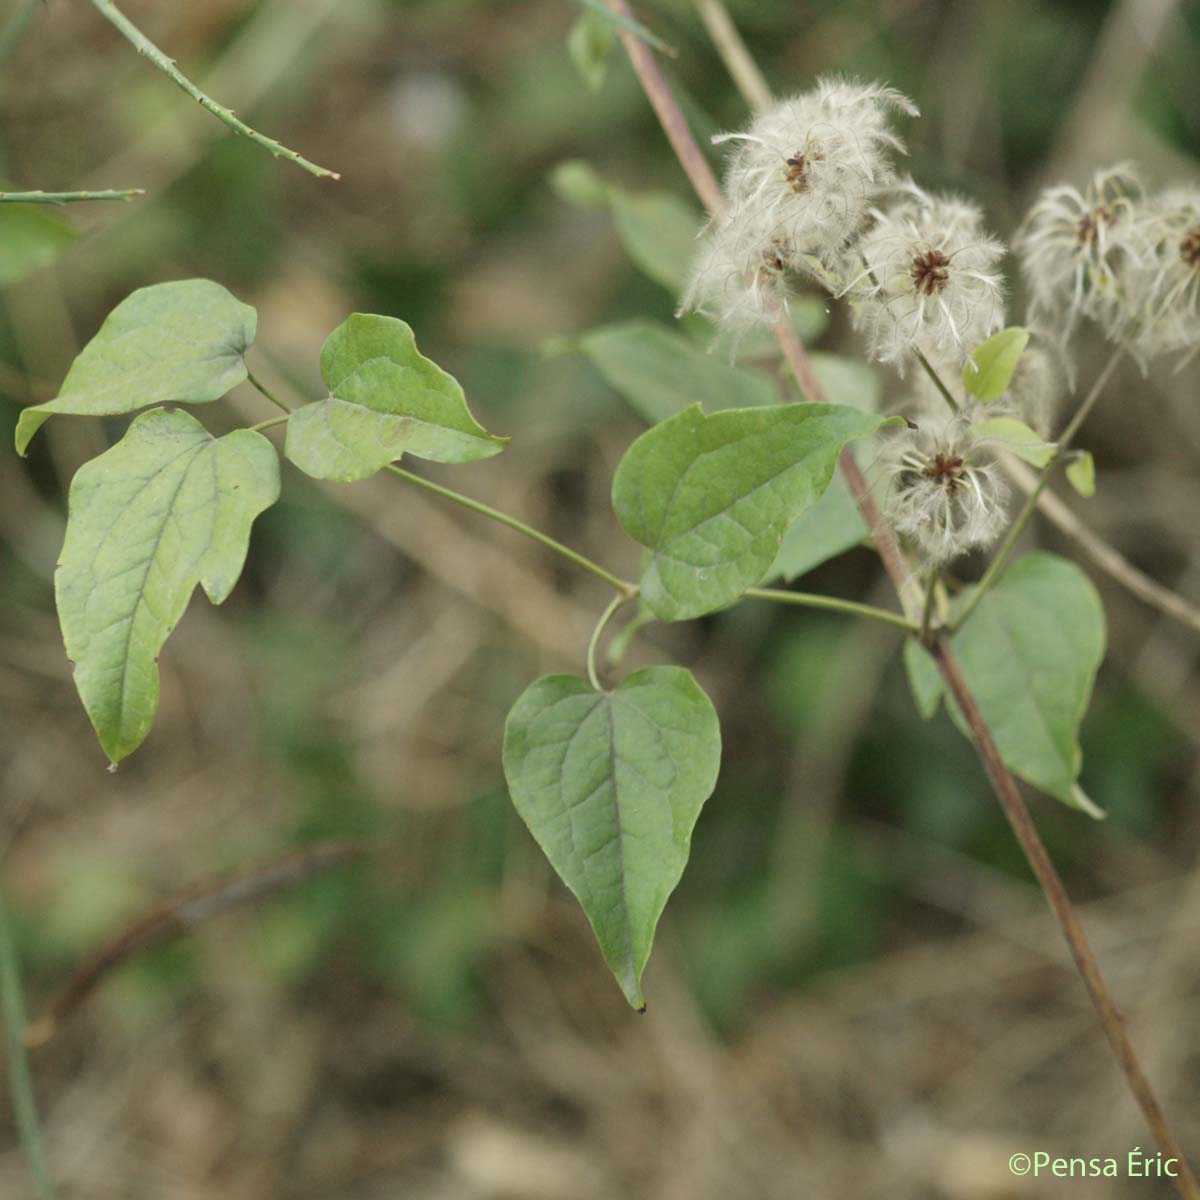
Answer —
705 183
1056 894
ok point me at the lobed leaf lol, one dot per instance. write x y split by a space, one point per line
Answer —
167 508
610 785
182 342
712 496
386 400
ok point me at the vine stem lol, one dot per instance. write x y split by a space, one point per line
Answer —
67 197
676 128
626 589
832 604
148 49
19 1080
269 395
739 62
606 616
1055 893
269 423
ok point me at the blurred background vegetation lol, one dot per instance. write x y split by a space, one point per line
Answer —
856 991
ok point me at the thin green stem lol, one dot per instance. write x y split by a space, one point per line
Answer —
606 616
938 382
67 197
1000 559
628 590
927 612
834 604
148 49
636 28
19 1080
269 423
1081 413
273 399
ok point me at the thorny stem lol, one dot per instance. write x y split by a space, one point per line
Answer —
19 1081
270 396
626 589
148 49
1002 781
606 616
67 197
832 604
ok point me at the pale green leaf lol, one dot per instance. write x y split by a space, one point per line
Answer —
1030 652
1081 473
712 496
576 181
590 43
182 342
30 238
610 785
658 231
1016 437
831 527
924 678
660 373
386 399
167 508
990 368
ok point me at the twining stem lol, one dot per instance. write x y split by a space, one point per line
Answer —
1005 786
1000 559
832 604
67 197
19 1081
623 586
1081 950
606 616
269 395
148 49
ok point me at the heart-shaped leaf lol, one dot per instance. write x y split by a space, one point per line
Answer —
610 785
166 508
182 342
1030 652
712 496
386 399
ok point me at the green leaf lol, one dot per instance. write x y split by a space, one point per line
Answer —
1030 652
660 373
658 231
924 678
990 368
166 508
386 399
590 43
1018 438
576 181
712 496
1081 473
182 342
610 785
831 527
30 238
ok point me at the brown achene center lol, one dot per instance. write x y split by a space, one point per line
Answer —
947 469
1189 248
1088 228
798 167
930 272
